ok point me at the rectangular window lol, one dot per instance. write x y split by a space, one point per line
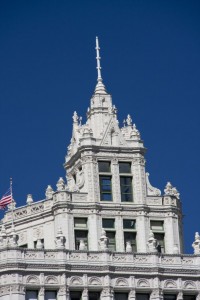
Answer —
189 297
93 296
121 296
108 223
126 189
124 168
80 223
128 224
105 187
109 226
142 296
81 235
160 237
80 232
130 237
50 295
157 225
75 295
104 166
158 229
31 295
169 296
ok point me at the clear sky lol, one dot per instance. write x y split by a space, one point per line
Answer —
150 64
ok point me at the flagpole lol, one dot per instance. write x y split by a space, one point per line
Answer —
12 200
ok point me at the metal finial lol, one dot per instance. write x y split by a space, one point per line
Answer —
100 88
99 78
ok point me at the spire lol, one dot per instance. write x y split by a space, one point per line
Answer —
100 87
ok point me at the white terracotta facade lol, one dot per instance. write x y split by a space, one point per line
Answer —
61 248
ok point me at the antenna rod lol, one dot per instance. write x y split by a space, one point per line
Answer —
99 78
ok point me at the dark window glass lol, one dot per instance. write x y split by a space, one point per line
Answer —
80 222
169 297
111 240
126 188
130 237
121 296
50 295
108 223
104 166
106 188
75 295
31 295
24 246
93 296
81 235
124 167
141 296
157 225
189 297
160 237
128 224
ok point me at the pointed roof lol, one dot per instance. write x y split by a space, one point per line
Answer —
100 87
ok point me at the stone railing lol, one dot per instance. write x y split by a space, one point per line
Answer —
138 260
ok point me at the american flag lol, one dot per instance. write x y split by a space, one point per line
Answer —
6 199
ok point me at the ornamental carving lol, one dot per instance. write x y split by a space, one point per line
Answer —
121 282
143 283
189 285
32 279
51 280
76 281
95 281
170 284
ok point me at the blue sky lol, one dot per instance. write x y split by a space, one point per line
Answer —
150 65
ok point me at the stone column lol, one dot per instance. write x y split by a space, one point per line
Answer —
119 234
116 193
85 294
169 235
156 294
141 233
132 295
17 292
62 293
93 232
107 293
41 294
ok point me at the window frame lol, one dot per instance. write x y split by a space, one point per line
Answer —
80 229
123 175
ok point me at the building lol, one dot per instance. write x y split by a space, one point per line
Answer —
106 233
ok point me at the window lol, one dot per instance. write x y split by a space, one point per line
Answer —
124 167
50 295
157 226
169 297
75 295
93 296
141 296
158 229
121 296
105 181
125 182
109 226
104 166
129 233
105 188
108 223
128 224
80 232
31 295
189 297
24 246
